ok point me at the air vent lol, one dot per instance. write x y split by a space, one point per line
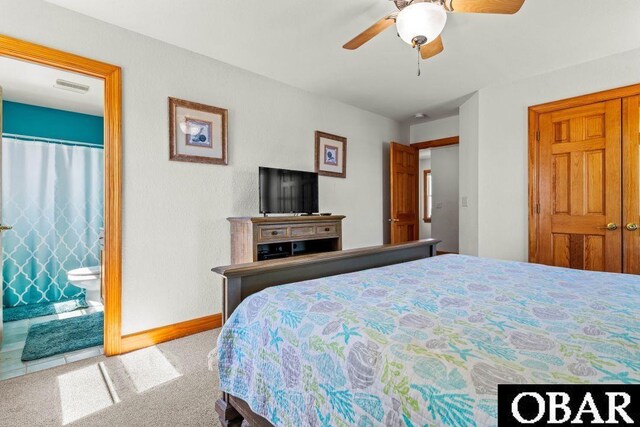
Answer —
72 86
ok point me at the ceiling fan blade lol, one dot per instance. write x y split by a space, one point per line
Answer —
508 7
431 49
370 33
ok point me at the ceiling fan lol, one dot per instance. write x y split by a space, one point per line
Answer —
420 22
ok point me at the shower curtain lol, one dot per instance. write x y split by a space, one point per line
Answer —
52 195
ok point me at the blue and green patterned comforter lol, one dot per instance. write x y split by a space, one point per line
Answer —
426 342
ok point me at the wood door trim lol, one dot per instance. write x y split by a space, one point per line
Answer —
111 75
534 114
435 143
630 177
162 334
425 196
533 185
592 98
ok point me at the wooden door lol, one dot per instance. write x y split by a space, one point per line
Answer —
404 193
579 187
631 184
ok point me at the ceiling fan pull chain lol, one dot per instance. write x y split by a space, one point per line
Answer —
418 60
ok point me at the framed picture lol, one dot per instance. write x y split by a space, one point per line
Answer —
197 132
331 155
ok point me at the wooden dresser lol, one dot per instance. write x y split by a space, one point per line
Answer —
263 238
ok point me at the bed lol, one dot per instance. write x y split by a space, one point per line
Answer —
423 342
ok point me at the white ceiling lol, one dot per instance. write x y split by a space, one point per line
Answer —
299 43
34 84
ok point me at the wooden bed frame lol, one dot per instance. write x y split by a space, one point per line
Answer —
242 280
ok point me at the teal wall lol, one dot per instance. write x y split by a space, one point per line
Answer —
29 120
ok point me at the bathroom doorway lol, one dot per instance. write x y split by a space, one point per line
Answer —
60 211
52 211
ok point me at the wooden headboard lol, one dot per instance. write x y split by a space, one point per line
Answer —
242 280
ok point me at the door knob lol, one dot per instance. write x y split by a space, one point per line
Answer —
5 227
394 220
632 227
611 226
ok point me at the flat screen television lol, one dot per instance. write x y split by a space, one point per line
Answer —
288 191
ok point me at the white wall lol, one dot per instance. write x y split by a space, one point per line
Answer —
444 216
174 217
435 129
468 174
502 142
425 227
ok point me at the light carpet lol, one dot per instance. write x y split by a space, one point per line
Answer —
178 390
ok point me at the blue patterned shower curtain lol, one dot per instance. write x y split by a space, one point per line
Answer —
52 195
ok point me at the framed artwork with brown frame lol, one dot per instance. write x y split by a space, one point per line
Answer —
197 132
331 155
427 196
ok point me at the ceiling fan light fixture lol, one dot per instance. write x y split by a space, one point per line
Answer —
421 23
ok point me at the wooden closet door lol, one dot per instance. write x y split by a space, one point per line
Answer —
579 187
631 184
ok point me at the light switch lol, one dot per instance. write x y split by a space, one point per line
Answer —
465 203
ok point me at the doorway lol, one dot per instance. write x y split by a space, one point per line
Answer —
439 190
424 192
584 179
51 203
109 76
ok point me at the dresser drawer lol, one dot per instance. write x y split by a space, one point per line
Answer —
301 231
270 233
326 229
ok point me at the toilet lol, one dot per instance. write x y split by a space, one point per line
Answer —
89 279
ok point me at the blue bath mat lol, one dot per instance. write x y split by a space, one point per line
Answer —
42 309
64 335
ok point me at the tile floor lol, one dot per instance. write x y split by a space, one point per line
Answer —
15 334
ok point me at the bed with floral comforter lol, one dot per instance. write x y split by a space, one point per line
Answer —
426 342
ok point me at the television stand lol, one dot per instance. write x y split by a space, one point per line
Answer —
263 238
266 215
